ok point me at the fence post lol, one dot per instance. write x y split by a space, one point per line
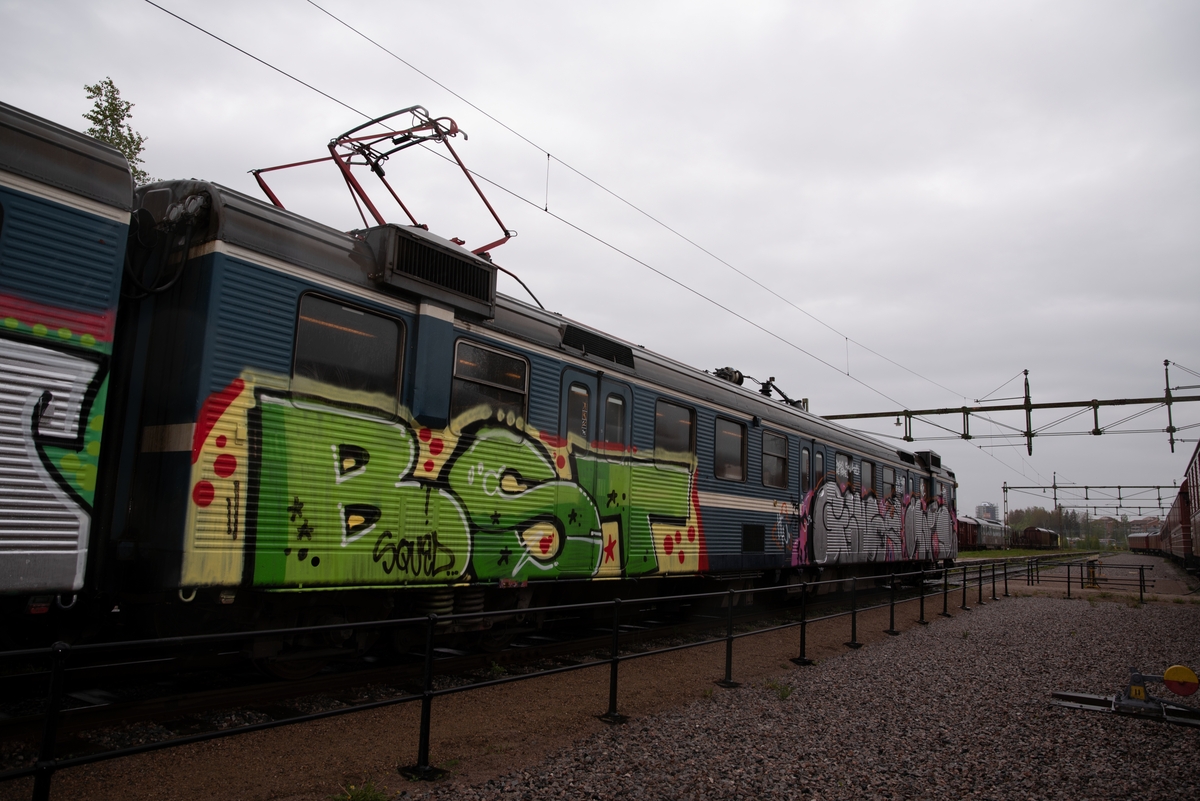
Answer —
45 762
728 680
1141 584
422 771
854 643
980 602
612 716
1006 595
922 619
994 598
803 660
1068 579
891 629
964 606
945 591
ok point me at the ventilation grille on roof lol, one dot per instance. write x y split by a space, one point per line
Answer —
598 346
413 261
443 269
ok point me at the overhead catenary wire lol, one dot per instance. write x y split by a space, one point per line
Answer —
259 60
561 219
578 228
630 204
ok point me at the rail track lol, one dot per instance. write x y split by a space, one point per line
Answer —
147 689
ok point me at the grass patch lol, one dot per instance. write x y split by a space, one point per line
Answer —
782 690
361 792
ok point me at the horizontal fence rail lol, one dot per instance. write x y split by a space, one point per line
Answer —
1037 570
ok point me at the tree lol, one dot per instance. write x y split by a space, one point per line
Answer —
108 118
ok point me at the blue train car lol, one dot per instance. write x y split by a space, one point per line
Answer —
65 201
325 410
308 425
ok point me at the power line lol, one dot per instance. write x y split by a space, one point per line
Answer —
561 219
259 60
633 206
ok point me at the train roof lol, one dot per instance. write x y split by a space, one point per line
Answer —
553 330
363 258
56 156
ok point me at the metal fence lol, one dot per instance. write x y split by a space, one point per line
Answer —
1035 571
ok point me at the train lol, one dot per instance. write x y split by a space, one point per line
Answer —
1034 537
1174 538
976 534
218 413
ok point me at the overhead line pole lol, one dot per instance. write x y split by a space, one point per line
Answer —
1028 406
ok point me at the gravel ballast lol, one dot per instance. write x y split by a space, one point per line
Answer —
956 710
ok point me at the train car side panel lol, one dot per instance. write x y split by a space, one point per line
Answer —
64 217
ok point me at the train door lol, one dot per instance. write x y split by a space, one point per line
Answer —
595 427
820 491
802 546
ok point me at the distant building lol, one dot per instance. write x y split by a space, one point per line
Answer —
987 511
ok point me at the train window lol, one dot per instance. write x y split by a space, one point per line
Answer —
889 483
774 460
354 352
486 377
818 468
578 401
674 428
614 420
805 475
729 450
868 478
845 476
924 489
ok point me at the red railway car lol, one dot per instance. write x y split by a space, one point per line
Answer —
1191 489
1033 537
1144 543
979 534
968 533
1175 536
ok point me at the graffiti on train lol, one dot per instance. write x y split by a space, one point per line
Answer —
348 496
849 526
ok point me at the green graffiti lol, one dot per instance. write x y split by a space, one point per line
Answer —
337 504
660 495
527 522
78 467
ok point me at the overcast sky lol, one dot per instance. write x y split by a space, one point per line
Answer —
966 189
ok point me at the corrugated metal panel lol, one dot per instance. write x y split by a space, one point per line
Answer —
37 514
59 256
254 322
545 380
643 420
